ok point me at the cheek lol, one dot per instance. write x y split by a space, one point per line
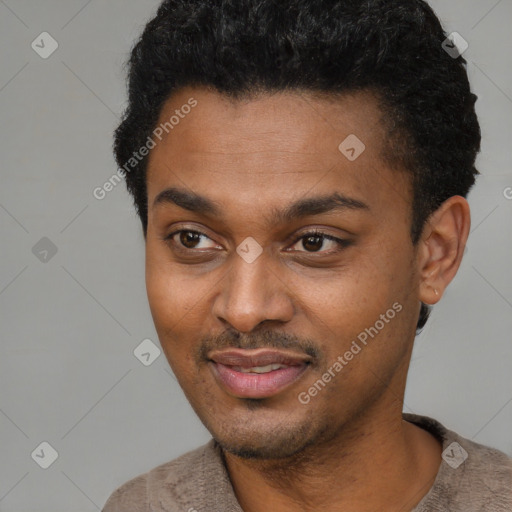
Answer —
171 295
347 302
167 301
162 294
350 294
178 304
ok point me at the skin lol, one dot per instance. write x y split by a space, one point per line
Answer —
348 448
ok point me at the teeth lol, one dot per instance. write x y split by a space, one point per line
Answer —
261 369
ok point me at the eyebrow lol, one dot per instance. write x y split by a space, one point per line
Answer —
316 205
188 201
335 202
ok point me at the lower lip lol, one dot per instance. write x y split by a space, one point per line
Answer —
257 385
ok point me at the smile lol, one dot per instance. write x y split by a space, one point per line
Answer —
259 373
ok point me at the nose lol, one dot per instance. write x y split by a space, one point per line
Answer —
252 293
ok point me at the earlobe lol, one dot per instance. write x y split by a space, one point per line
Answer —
442 247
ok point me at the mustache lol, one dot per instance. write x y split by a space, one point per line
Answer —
262 339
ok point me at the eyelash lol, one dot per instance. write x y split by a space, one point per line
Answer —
342 244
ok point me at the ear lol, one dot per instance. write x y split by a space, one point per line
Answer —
441 247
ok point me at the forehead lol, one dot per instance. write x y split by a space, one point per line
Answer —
272 146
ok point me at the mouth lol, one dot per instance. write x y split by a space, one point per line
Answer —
257 373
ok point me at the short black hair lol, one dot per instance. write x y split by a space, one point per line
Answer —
392 48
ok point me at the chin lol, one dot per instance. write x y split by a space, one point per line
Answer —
276 442
248 450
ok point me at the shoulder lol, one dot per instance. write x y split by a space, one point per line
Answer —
485 476
472 477
179 479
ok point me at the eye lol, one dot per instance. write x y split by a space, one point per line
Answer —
314 241
189 239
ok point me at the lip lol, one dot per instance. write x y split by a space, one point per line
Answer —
252 385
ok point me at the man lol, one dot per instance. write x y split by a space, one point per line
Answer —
300 169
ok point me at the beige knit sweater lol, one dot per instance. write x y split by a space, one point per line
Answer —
471 478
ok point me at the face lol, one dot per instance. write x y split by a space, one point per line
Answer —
280 270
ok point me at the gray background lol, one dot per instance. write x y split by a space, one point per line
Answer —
69 325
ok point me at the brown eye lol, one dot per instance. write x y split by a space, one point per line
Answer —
186 239
313 243
189 239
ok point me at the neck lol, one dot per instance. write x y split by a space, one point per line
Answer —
376 463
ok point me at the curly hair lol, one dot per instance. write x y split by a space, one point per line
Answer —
240 47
